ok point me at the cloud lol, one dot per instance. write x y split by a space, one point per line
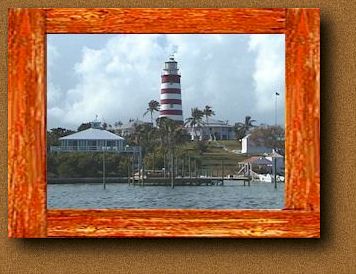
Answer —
269 74
119 78
54 93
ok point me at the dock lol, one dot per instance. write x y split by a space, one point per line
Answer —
154 181
187 181
180 181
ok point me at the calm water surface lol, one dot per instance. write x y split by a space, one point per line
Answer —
232 195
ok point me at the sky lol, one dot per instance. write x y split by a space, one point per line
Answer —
115 76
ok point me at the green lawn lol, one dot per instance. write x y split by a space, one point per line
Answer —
231 144
213 158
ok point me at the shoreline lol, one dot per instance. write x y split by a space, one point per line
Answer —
146 182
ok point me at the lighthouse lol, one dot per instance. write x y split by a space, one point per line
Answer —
171 98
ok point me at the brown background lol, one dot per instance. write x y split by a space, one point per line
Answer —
335 252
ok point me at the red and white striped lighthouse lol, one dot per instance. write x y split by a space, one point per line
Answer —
171 99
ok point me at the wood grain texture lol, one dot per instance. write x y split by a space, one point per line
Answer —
165 20
27 185
303 109
26 124
183 223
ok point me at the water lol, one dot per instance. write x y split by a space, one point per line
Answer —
230 196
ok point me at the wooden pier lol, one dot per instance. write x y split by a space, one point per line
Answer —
180 181
153 181
187 181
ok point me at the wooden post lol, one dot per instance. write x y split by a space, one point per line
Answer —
143 172
164 165
138 167
222 171
176 166
195 168
172 169
249 173
128 170
190 171
104 183
153 162
132 167
183 162
275 172
141 167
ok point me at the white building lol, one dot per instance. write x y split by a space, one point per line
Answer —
212 130
91 139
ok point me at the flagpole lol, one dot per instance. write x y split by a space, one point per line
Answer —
275 110
275 144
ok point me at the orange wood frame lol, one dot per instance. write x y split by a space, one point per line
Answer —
27 213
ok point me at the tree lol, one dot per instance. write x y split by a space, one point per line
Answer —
242 129
54 134
208 112
152 107
143 136
83 165
269 136
84 126
195 121
166 128
171 135
118 124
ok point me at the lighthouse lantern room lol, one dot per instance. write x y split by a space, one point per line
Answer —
171 99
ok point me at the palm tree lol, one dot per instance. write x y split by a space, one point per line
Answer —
143 136
242 129
153 106
195 121
166 131
208 112
171 134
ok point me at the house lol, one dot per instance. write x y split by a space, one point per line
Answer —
91 139
262 164
212 130
258 164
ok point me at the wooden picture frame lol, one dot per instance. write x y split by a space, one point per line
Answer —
27 213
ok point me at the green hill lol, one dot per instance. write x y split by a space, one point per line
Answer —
217 156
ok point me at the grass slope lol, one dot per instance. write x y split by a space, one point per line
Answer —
218 153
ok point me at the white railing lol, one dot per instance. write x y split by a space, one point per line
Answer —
93 149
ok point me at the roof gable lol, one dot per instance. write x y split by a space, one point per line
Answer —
92 134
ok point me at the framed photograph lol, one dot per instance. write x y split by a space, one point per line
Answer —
164 123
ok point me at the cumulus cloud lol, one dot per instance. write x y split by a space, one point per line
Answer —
269 74
234 74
